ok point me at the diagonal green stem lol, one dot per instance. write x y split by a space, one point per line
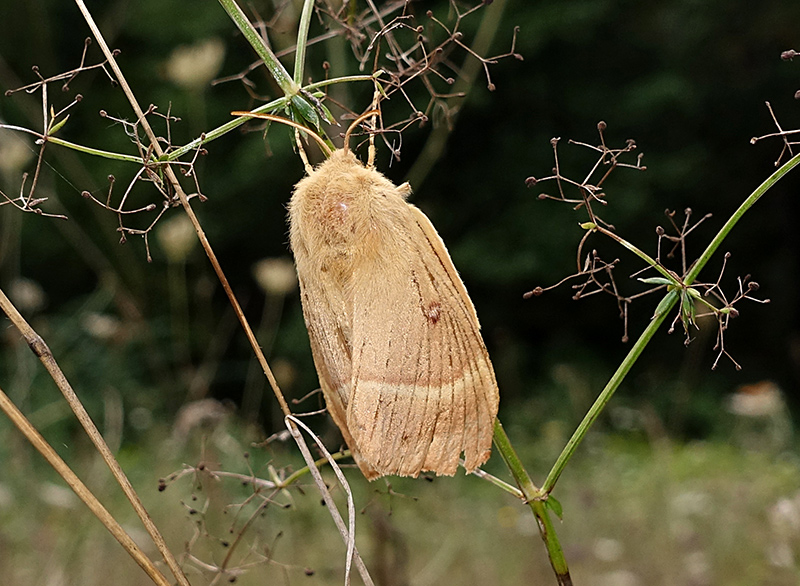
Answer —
269 107
509 455
635 250
605 396
302 41
95 152
737 215
276 68
664 308
76 147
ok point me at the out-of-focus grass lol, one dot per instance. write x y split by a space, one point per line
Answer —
636 513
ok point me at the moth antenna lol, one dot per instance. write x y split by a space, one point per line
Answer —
355 124
325 148
302 152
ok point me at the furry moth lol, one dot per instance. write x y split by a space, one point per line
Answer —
395 338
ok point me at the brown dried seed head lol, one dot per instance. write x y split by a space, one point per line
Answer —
535 292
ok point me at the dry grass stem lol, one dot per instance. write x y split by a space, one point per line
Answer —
80 489
347 532
42 351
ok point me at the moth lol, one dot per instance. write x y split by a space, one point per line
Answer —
394 335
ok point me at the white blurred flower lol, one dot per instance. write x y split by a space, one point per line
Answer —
760 399
285 373
781 555
691 503
6 497
608 550
784 517
101 326
15 152
762 421
698 567
194 66
203 413
619 578
27 295
57 496
177 237
275 276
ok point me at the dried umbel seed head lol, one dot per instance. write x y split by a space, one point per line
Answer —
535 292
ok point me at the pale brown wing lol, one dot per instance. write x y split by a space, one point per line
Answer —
423 390
328 332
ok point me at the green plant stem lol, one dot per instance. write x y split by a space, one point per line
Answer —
637 251
96 152
75 147
737 215
665 307
276 68
269 107
536 500
292 478
554 551
509 455
302 41
605 397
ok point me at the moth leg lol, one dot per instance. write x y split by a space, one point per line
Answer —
404 189
375 106
371 151
302 152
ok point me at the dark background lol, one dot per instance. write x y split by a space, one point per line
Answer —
687 80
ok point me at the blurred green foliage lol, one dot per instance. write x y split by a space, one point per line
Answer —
686 79
636 513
